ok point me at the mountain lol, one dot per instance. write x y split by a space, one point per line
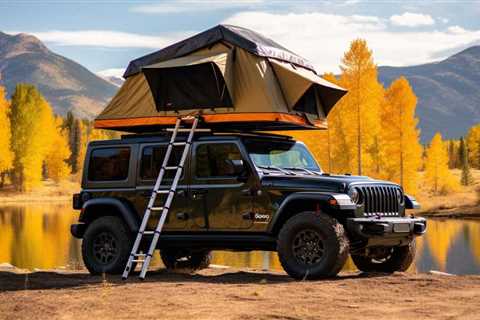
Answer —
116 81
65 84
113 76
448 92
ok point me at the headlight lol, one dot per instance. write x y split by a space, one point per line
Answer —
354 195
399 194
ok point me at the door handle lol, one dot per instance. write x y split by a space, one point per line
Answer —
197 194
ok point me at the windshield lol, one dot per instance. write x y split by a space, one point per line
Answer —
281 154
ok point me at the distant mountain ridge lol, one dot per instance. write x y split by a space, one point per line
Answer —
67 85
448 92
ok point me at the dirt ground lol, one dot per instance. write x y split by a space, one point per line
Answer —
228 293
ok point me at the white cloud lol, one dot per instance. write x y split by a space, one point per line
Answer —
456 30
444 20
409 19
172 7
323 38
113 72
106 38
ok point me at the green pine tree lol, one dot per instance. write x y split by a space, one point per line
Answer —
466 178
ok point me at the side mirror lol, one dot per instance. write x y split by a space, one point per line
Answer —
235 167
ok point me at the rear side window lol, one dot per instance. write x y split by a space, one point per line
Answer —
109 164
152 160
211 159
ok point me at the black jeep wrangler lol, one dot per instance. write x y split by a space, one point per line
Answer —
242 192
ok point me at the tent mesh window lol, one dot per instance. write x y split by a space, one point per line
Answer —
188 87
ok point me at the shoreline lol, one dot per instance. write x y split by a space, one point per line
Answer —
450 215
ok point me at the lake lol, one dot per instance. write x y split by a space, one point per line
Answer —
38 236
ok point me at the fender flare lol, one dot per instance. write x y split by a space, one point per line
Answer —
123 209
343 202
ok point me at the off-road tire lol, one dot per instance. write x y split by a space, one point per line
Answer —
174 259
400 260
115 228
334 243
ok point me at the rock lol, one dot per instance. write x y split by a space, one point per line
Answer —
218 266
440 273
6 265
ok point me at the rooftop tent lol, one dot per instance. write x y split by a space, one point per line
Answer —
231 75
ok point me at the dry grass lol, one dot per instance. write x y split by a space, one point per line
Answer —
465 203
49 191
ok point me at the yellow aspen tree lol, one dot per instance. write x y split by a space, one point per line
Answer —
437 175
31 118
338 147
401 149
473 142
82 145
56 159
6 155
317 142
361 105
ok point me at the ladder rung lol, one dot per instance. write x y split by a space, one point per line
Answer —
179 143
139 255
172 168
164 191
188 130
138 260
156 208
148 232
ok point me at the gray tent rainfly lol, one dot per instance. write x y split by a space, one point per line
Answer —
231 75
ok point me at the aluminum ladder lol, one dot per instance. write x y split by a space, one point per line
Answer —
135 255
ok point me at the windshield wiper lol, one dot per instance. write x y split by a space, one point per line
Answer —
302 169
276 169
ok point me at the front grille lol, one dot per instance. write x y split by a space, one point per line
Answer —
379 200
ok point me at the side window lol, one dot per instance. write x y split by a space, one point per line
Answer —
152 160
109 164
211 160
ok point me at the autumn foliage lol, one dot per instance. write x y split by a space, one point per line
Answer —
6 155
35 144
437 174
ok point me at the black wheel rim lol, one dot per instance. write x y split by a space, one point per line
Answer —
382 256
105 248
308 248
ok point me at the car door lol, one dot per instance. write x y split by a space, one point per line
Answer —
150 160
224 197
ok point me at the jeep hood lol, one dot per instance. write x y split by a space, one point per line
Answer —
326 183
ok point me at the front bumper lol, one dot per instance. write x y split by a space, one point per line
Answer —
387 227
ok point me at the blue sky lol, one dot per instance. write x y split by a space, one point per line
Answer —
105 35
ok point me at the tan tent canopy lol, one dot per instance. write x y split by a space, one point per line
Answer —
230 74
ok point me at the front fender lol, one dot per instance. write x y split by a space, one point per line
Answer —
341 202
107 206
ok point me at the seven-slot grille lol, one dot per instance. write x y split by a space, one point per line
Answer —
380 200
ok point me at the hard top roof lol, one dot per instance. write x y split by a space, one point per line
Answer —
249 40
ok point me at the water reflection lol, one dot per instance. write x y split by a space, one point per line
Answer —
38 236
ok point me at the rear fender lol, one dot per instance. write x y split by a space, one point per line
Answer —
99 207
